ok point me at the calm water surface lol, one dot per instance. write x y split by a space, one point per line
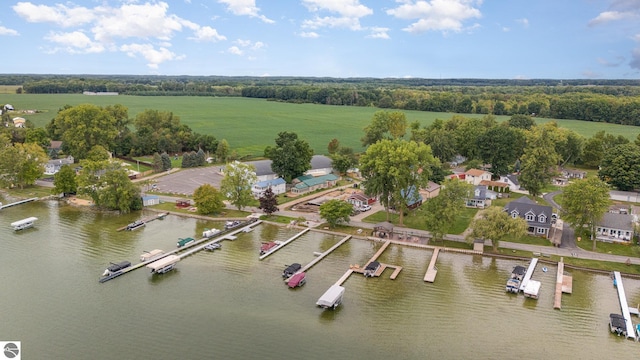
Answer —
230 305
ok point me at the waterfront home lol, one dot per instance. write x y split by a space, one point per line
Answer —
481 197
278 186
53 166
475 176
615 228
512 181
538 217
359 200
306 183
431 190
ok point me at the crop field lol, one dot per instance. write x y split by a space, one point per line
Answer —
9 89
249 125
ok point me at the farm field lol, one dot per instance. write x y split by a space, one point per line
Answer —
249 125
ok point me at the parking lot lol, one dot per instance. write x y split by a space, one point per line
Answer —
186 181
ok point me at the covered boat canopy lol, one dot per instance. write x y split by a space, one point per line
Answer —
165 261
519 272
151 254
331 297
373 266
297 280
119 266
532 289
21 224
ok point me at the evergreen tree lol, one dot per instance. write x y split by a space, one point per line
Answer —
166 161
200 158
157 162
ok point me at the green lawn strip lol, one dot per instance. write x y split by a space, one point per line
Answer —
228 213
610 248
28 192
416 219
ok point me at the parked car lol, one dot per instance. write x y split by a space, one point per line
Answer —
365 208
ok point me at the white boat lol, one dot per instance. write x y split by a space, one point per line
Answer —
115 268
232 224
213 246
24 223
164 265
331 298
513 283
371 269
150 255
136 225
532 289
209 233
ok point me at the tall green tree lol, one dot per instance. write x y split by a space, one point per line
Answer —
539 161
336 212
108 184
620 167
64 181
385 125
584 202
343 159
443 209
208 200
83 126
391 168
500 146
520 121
237 182
20 164
157 162
496 225
291 156
222 151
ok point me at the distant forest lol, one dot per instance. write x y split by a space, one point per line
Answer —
610 101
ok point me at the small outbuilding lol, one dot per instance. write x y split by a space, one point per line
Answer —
149 200
383 229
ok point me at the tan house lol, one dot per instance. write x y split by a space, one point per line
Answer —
475 176
432 190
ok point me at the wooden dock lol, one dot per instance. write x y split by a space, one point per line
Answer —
285 243
17 203
564 284
631 334
146 220
190 248
324 254
432 270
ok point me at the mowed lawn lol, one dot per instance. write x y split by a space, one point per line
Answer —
249 125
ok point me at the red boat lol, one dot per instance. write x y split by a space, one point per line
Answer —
268 246
297 279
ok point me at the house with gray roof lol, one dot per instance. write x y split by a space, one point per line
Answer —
482 197
53 166
320 165
512 181
615 228
538 217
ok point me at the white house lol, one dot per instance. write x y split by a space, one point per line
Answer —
615 228
278 186
512 181
53 166
475 176
149 200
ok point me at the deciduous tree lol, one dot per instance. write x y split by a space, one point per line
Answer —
208 200
392 167
539 161
443 209
336 212
291 157
237 182
385 125
64 181
496 225
268 202
584 202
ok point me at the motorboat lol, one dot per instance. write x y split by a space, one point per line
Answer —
212 246
290 270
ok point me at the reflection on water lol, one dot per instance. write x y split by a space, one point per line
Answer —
229 304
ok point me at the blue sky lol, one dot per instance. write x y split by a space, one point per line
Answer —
505 39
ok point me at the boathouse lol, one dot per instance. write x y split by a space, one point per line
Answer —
149 200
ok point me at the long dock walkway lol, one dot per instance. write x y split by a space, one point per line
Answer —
529 273
324 254
624 306
360 270
188 249
564 284
17 203
285 243
432 270
146 220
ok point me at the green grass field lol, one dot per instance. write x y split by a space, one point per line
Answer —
249 125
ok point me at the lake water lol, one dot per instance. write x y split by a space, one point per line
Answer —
230 305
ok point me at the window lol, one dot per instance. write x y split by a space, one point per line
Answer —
529 217
514 215
541 230
542 218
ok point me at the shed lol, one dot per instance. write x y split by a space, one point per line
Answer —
149 200
383 228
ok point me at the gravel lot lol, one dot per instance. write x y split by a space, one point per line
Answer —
185 182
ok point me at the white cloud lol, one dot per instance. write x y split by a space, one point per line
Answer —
636 37
436 15
379 33
153 56
245 8
58 14
207 33
346 8
524 22
608 16
75 42
505 29
618 10
309 34
139 21
235 51
7 31
332 22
